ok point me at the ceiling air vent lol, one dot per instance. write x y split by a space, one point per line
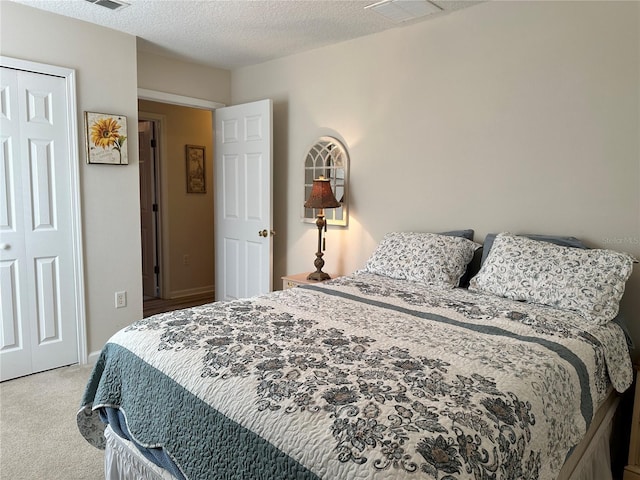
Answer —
399 11
110 4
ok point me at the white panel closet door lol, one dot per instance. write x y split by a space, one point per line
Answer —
243 205
38 316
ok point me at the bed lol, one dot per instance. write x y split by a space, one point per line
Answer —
393 372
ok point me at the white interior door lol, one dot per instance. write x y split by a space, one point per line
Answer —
243 200
38 324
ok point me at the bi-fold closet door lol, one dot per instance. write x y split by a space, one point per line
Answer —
38 328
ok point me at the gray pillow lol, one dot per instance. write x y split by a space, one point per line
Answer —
467 233
555 239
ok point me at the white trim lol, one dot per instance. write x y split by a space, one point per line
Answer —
69 75
172 98
93 357
19 64
189 292
76 214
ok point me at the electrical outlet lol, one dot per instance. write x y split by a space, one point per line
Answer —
121 299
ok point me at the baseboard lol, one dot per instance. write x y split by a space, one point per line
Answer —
191 292
93 357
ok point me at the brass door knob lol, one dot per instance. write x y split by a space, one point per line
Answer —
263 233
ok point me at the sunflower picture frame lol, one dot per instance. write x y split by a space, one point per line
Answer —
106 138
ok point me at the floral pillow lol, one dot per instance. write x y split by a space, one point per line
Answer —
590 282
427 258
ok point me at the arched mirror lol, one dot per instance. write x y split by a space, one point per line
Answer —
329 158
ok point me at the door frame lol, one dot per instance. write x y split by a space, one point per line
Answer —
69 75
173 99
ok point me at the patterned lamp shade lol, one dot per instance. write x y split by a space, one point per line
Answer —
321 195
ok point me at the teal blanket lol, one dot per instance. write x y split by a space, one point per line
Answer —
208 444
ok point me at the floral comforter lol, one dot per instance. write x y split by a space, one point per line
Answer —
362 377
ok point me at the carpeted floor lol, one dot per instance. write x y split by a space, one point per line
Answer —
38 434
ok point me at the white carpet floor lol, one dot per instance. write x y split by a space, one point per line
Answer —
38 435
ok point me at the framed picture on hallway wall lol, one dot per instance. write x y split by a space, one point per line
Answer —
106 138
195 169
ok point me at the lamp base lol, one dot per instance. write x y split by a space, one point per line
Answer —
318 276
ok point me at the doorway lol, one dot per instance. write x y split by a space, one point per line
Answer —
176 222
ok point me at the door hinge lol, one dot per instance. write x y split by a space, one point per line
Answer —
153 143
155 207
156 269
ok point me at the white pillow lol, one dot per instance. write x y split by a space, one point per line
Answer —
590 282
427 258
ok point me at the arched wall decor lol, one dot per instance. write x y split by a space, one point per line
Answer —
329 158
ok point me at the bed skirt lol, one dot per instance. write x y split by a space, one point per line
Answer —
123 461
591 460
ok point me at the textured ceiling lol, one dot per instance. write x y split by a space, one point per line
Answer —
235 33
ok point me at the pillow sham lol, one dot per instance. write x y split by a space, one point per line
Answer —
427 258
590 282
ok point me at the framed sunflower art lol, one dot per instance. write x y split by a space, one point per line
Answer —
106 138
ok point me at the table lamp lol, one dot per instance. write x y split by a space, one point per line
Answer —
321 197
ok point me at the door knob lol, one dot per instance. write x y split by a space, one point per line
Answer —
263 233
4 246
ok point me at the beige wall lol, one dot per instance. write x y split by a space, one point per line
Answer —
520 116
106 82
167 75
189 218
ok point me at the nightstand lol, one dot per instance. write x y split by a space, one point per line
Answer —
632 471
290 281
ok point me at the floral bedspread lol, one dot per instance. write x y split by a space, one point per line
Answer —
362 377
